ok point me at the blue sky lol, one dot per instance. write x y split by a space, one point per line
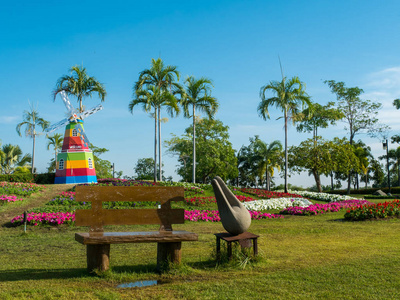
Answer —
234 43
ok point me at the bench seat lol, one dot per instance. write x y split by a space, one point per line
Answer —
135 237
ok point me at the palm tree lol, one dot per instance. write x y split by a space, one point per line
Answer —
80 85
289 95
31 120
152 99
267 159
163 79
12 158
55 140
198 95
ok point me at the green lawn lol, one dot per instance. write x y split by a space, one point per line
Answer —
317 257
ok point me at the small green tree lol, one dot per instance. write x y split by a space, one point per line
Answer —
215 153
360 115
323 157
80 85
317 116
31 121
12 159
198 95
144 168
103 167
55 140
162 82
288 96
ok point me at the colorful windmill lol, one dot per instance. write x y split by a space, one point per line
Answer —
75 161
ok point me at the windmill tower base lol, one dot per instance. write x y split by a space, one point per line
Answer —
75 167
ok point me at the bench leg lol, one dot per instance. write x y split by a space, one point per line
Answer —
168 252
98 257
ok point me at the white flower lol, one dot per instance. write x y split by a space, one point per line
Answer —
276 203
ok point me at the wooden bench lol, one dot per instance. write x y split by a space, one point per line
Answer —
98 242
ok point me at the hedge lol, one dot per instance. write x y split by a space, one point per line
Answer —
44 178
369 191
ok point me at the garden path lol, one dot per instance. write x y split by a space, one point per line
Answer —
35 200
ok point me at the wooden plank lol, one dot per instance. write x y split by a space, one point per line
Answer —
160 194
101 217
135 237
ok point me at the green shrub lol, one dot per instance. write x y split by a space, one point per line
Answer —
17 177
45 178
394 190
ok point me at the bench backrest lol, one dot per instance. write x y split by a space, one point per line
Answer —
97 217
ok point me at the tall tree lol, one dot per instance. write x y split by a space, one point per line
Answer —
394 156
323 157
164 79
216 155
319 116
363 153
150 99
290 97
12 158
55 140
80 85
198 95
31 120
103 167
360 115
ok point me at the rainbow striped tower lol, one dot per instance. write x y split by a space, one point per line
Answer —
75 162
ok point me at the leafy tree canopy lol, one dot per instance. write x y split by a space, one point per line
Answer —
215 155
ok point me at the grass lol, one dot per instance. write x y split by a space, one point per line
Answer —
317 257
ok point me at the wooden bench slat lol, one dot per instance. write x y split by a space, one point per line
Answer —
135 237
86 217
129 194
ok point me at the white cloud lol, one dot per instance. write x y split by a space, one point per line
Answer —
383 85
8 119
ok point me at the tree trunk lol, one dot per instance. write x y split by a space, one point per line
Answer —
286 152
332 186
155 145
267 185
33 152
159 143
194 145
317 180
398 174
357 182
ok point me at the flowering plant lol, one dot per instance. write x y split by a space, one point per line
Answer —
8 198
213 215
373 211
276 203
264 194
19 188
322 196
55 218
316 209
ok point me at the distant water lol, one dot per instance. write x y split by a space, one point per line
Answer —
138 284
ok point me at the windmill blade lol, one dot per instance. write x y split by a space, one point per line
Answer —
56 126
68 104
83 135
91 111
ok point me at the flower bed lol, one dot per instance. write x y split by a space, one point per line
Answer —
8 198
317 209
201 201
19 188
322 196
65 198
264 194
213 215
55 218
276 203
373 211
